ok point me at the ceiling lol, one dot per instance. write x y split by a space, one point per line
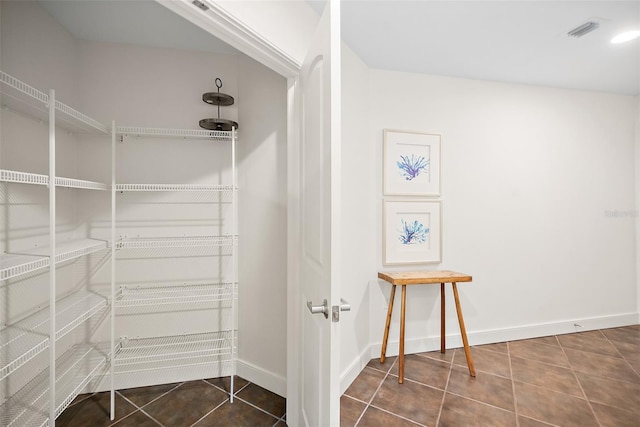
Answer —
510 41
142 22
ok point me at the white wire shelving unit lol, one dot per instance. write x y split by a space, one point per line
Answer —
160 295
12 266
20 97
211 135
174 187
25 339
39 179
150 354
74 370
173 352
18 264
176 242
50 391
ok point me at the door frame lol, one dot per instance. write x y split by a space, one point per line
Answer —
231 30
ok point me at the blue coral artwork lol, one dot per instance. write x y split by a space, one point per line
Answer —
413 232
411 166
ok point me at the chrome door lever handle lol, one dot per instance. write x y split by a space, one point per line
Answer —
317 309
344 305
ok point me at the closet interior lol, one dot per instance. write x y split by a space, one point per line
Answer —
128 270
181 271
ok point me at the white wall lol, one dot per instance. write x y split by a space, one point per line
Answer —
637 193
530 178
262 178
358 218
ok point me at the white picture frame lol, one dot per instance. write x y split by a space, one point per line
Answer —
412 232
411 163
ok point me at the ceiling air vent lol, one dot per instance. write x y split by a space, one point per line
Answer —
583 29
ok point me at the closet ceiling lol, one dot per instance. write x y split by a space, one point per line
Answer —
141 22
515 41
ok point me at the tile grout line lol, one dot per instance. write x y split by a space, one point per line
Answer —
480 402
579 384
211 411
151 401
257 407
620 353
446 386
152 419
235 396
375 392
139 409
235 392
398 416
513 387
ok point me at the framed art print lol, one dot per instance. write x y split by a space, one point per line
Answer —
411 163
411 232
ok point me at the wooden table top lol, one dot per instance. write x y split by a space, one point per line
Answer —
423 277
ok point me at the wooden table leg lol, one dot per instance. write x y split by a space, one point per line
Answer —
385 338
467 351
443 340
401 353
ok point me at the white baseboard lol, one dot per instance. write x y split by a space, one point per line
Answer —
354 369
419 345
432 343
265 379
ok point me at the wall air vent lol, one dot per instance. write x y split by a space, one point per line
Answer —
583 29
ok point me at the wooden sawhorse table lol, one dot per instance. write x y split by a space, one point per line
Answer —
424 278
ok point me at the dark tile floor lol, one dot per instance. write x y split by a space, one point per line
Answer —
584 379
195 403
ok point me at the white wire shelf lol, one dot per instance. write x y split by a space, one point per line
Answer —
24 340
14 265
145 296
214 135
74 370
176 242
174 187
21 97
39 179
69 249
149 354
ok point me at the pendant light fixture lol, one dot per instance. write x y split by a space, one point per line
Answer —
219 99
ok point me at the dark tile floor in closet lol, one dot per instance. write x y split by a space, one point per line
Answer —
195 403
585 379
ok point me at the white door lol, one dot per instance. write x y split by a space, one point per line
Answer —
319 167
